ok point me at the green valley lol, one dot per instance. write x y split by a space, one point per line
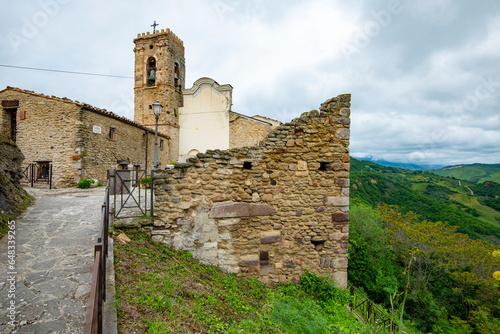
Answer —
427 246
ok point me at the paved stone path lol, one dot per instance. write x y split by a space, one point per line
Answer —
54 247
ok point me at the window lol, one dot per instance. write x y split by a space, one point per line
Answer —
161 144
323 166
112 133
264 258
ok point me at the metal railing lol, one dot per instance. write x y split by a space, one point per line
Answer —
97 296
33 173
130 199
369 313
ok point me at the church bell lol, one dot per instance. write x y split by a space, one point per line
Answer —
152 76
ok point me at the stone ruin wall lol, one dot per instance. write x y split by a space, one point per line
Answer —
271 211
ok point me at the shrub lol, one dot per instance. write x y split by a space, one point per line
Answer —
85 183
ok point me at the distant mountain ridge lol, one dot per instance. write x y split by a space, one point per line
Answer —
404 165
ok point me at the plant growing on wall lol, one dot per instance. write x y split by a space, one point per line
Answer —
146 182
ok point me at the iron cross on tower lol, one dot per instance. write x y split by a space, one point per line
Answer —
154 25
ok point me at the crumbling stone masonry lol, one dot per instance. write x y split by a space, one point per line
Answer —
270 211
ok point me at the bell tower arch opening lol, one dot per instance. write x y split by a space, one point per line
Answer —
151 72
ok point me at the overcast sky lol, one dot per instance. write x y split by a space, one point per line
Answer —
424 75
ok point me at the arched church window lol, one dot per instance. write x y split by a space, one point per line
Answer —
151 72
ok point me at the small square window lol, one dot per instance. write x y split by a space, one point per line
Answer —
264 258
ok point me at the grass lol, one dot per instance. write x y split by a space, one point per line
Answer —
161 290
487 214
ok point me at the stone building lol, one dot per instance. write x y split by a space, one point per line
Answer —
77 140
271 210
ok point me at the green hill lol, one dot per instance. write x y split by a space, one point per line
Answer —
477 173
471 206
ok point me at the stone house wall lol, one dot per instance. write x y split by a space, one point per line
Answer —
245 131
48 132
101 152
270 211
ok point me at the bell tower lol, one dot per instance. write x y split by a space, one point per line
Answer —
159 75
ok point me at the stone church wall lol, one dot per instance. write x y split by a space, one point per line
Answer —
270 211
246 132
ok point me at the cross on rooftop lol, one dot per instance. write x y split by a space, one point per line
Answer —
154 25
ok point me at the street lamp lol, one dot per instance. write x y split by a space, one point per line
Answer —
157 111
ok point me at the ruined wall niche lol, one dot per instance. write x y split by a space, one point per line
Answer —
270 211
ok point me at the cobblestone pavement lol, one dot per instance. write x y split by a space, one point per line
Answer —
54 247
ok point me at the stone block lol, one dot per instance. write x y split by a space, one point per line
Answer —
157 238
266 270
301 165
249 261
336 201
324 262
160 232
217 197
225 236
340 279
340 217
270 237
339 263
336 236
344 183
181 221
230 210
240 209
228 222
259 209
184 205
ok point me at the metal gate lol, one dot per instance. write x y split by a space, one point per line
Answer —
40 172
132 193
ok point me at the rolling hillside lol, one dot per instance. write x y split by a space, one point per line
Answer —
469 205
477 173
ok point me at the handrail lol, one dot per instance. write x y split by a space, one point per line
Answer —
368 312
94 323
94 309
